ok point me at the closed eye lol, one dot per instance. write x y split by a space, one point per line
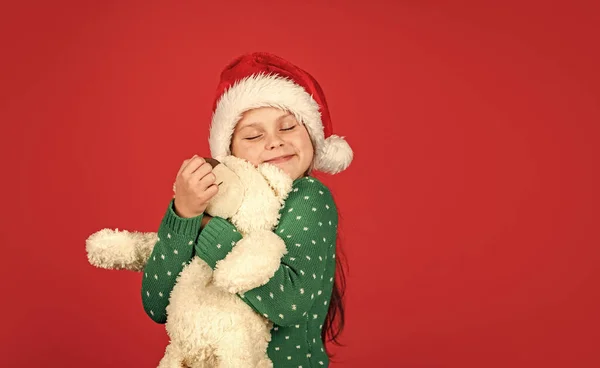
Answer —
252 138
290 128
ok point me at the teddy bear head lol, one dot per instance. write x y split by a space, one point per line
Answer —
249 196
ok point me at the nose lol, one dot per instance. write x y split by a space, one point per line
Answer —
274 141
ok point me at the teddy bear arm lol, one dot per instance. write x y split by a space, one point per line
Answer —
114 249
251 263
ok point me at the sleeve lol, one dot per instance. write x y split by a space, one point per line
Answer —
308 226
216 240
173 250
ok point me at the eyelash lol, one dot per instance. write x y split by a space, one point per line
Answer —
258 136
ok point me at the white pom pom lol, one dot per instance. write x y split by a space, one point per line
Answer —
335 155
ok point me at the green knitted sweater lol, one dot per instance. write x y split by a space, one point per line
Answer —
296 298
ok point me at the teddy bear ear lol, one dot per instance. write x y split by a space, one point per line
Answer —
212 161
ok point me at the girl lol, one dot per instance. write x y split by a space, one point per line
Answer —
266 110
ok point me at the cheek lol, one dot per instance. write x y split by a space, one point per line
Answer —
305 144
246 151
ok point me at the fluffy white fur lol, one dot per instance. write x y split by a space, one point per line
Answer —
260 207
251 263
208 324
281 184
209 327
120 250
335 157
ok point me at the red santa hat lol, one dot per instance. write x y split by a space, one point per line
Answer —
261 79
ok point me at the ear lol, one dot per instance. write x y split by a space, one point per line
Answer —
277 179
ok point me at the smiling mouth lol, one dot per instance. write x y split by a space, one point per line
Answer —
280 159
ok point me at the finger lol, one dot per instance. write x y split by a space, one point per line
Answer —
200 172
211 191
192 166
206 181
184 165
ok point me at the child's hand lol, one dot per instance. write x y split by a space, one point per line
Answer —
194 187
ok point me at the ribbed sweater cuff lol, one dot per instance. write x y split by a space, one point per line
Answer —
189 227
215 240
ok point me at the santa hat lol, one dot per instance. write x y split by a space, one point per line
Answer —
261 79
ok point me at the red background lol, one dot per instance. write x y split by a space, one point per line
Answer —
469 216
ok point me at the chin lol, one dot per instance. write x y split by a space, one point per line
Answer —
289 172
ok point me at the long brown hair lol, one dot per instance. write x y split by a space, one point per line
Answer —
334 322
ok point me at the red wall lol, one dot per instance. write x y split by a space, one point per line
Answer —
470 213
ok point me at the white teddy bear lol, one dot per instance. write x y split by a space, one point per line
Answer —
207 322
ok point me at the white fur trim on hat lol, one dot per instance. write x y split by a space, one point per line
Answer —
272 90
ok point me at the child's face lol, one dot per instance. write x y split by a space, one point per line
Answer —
268 134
